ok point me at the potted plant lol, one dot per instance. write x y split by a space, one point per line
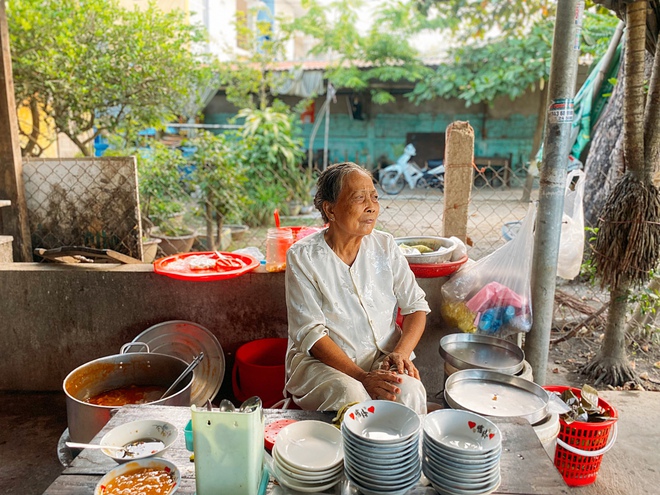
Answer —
217 174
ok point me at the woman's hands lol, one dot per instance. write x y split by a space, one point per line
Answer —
381 384
399 362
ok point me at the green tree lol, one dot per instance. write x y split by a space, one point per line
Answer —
273 150
218 175
90 67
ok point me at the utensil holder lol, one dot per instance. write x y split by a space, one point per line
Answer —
228 450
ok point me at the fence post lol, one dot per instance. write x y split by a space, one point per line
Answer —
15 220
459 154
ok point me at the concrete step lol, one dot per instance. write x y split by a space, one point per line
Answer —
6 255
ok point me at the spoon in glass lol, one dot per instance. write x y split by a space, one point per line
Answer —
251 404
226 406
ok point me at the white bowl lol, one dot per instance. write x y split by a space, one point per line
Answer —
439 451
382 421
440 471
442 248
128 467
148 433
368 446
462 431
310 445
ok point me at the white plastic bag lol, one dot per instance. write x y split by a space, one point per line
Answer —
571 243
493 296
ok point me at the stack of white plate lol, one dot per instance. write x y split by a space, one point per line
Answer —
462 452
381 447
308 456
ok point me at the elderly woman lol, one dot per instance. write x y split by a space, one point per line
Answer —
343 287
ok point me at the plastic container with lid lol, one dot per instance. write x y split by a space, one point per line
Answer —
278 241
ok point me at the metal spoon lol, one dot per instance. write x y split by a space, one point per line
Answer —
75 445
250 404
188 369
226 406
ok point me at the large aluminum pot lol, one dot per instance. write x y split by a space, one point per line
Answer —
85 420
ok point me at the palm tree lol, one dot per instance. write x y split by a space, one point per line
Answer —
628 241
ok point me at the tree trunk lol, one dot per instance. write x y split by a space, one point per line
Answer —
210 240
604 163
610 366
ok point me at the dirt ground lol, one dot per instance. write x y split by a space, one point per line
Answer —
568 357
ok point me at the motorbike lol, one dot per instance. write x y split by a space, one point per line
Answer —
394 178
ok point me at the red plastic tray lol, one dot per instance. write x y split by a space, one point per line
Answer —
430 270
233 265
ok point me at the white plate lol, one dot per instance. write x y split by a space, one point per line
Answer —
185 340
305 487
461 474
462 431
303 475
382 421
310 445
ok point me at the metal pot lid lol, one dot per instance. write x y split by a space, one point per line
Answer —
472 351
490 393
185 340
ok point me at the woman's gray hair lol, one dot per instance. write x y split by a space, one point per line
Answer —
330 183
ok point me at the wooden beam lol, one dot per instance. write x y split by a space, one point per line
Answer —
13 220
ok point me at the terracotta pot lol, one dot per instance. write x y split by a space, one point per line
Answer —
175 244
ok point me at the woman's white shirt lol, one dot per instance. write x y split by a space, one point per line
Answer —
355 306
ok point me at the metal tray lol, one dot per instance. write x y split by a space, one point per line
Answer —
490 393
185 340
471 351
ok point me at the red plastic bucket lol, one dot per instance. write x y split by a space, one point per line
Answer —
259 370
580 445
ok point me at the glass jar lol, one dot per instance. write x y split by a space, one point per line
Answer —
278 241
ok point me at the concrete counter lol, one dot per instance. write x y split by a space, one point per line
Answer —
55 318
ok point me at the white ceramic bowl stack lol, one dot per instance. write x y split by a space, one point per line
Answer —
308 456
461 452
381 447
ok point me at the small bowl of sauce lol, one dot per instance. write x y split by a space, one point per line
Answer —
141 439
145 476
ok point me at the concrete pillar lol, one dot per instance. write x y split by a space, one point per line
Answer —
459 155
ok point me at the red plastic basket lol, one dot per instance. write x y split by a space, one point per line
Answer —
584 444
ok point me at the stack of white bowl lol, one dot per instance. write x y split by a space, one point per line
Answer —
461 452
381 447
308 456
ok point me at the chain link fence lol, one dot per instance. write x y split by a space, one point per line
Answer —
89 202
94 203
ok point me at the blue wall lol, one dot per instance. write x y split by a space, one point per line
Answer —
505 130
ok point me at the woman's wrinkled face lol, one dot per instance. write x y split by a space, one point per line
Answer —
357 208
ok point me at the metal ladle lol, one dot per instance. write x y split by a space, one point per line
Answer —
76 445
185 372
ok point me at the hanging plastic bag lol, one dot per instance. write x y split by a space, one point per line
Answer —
493 295
571 244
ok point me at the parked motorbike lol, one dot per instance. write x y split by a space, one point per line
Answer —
394 178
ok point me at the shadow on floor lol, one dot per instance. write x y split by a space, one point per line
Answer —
30 427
